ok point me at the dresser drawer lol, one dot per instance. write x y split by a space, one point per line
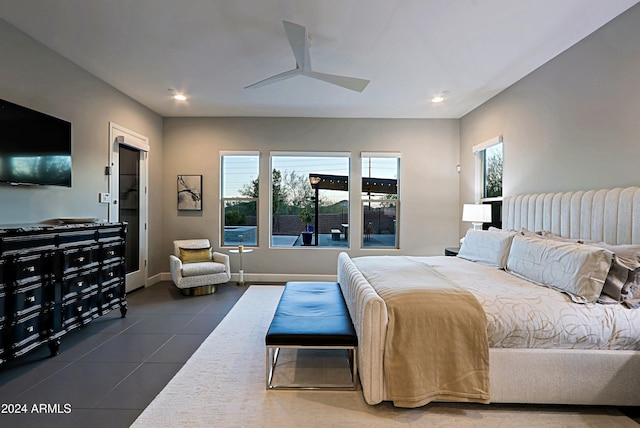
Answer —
111 233
27 267
80 311
112 252
79 283
28 332
79 258
28 242
111 294
28 298
2 342
3 313
110 272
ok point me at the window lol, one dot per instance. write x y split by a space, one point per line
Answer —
309 199
489 161
380 201
239 189
492 171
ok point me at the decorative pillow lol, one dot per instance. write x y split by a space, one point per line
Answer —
623 275
576 269
489 248
195 255
623 281
631 290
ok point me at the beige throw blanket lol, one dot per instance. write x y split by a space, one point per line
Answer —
436 347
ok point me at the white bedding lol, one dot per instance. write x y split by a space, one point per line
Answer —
521 314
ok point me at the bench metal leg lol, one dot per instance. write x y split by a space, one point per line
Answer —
271 363
272 353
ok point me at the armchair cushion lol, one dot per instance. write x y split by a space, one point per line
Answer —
202 268
195 255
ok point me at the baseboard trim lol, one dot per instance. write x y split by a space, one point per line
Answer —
163 276
255 277
282 278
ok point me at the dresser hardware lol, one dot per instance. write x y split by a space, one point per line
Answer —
29 329
29 269
30 299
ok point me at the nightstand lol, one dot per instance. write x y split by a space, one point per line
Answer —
451 251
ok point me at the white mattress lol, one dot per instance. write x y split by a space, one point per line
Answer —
521 314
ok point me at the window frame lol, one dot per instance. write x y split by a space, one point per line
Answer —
224 199
308 154
479 152
364 201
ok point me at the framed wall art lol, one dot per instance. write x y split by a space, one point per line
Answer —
190 192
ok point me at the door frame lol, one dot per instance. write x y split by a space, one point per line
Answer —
119 135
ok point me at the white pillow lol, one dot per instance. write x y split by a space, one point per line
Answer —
576 269
489 248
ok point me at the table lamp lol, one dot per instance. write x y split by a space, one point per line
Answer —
476 214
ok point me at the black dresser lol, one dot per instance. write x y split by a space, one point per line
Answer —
57 278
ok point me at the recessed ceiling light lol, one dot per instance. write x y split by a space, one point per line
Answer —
177 95
440 97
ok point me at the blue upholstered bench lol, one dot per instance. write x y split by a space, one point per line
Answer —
311 315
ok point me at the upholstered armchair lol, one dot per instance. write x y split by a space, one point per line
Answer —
196 268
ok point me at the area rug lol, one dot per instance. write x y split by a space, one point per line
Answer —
223 385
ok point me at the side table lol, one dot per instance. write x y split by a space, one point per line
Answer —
451 251
241 270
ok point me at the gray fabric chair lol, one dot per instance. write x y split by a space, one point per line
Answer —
198 278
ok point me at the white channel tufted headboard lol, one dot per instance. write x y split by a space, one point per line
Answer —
608 215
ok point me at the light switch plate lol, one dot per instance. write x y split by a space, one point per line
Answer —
104 198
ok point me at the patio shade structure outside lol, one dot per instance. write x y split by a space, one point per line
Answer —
341 182
369 185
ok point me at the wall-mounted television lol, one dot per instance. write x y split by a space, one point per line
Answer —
35 148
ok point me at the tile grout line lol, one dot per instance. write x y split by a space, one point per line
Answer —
74 361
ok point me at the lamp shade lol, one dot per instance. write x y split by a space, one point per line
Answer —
476 213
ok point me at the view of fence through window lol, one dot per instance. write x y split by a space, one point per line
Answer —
310 200
380 202
239 176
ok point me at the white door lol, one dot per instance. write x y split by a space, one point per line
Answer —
128 188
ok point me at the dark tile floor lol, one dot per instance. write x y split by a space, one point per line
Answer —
108 371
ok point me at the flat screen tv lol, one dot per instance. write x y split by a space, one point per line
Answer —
35 148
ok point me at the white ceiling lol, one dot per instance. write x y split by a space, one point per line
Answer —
411 50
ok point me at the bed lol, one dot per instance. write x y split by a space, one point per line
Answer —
576 367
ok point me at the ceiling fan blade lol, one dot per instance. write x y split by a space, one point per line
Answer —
273 79
352 83
299 41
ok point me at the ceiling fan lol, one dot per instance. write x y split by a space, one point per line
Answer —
299 41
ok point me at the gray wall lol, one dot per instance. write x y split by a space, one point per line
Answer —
429 182
34 76
573 124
